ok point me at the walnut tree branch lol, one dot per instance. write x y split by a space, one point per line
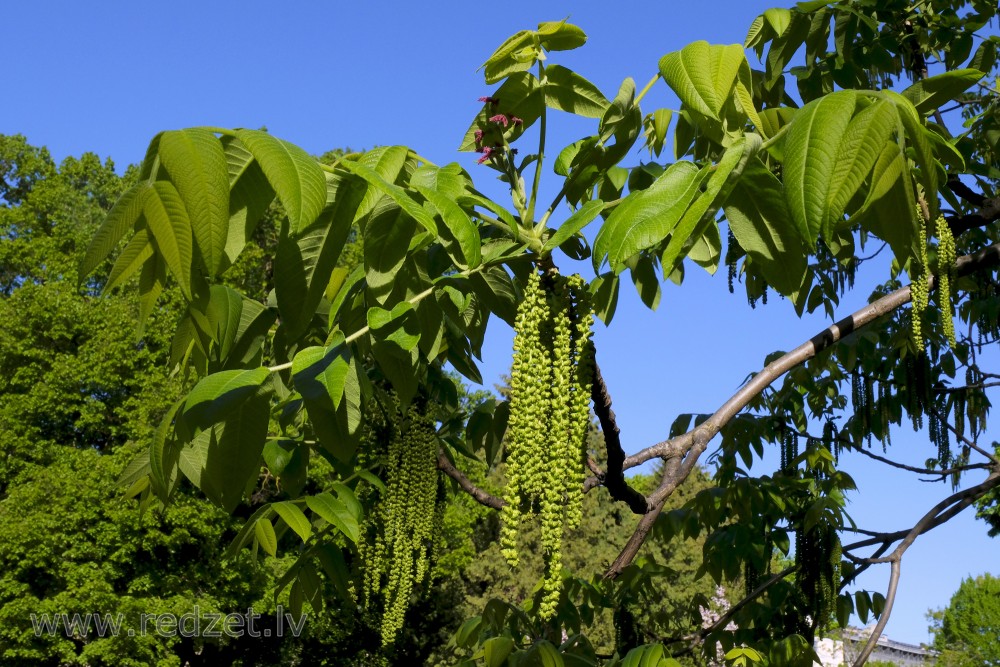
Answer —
479 495
614 478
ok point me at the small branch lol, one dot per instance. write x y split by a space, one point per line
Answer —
614 478
965 441
920 471
965 192
890 598
479 495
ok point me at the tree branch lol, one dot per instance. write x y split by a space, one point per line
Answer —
479 495
614 478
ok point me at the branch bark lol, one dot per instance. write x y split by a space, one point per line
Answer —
614 478
479 495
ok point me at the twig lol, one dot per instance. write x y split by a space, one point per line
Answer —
479 495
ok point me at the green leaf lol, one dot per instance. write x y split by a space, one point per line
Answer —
249 196
394 192
120 220
496 650
380 317
560 36
759 219
859 148
333 510
580 218
304 260
399 367
811 149
703 75
386 242
889 211
643 219
320 374
707 250
703 210
930 93
293 173
388 162
917 139
604 295
152 280
233 457
219 394
567 91
168 221
264 532
463 235
244 536
503 62
132 258
196 162
294 517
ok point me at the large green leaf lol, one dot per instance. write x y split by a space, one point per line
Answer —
294 517
811 150
889 211
218 395
293 173
320 373
394 192
702 211
334 511
120 220
917 140
386 241
566 90
233 457
388 162
462 234
643 219
168 221
132 258
582 217
196 163
860 145
759 219
304 261
930 93
249 196
152 280
703 75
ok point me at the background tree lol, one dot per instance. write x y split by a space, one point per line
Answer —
966 632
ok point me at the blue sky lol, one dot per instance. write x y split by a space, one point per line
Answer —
105 77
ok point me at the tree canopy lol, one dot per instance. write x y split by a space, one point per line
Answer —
867 129
966 631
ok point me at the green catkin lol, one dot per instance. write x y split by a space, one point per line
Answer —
406 513
918 285
550 415
946 267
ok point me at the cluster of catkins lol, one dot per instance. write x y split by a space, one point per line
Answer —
920 289
550 385
396 556
818 556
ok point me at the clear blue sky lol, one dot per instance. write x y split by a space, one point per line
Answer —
104 77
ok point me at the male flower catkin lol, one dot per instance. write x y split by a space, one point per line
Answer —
550 412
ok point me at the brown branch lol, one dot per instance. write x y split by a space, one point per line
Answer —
479 495
691 445
614 478
890 599
965 441
920 471
965 192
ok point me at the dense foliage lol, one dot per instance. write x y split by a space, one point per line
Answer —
807 182
966 632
